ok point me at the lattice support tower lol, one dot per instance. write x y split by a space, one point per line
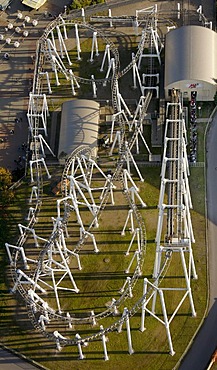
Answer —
178 236
37 113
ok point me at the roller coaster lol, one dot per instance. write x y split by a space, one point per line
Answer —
39 266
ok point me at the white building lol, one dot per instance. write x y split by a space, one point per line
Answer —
34 4
191 62
79 126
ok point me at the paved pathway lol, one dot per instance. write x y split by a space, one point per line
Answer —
16 74
9 361
15 82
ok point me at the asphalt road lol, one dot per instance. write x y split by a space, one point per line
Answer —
205 342
9 361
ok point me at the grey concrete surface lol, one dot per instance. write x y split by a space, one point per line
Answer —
16 74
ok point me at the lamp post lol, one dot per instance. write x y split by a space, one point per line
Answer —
199 109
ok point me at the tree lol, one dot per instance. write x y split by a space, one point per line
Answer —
6 195
77 4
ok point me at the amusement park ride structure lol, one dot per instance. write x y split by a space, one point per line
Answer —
38 274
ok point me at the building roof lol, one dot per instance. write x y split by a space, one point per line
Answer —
79 125
4 4
191 54
35 4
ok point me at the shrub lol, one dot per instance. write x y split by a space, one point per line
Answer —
77 4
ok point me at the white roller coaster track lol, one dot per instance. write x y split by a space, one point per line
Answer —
26 283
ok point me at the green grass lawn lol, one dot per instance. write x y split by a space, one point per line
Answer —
99 281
